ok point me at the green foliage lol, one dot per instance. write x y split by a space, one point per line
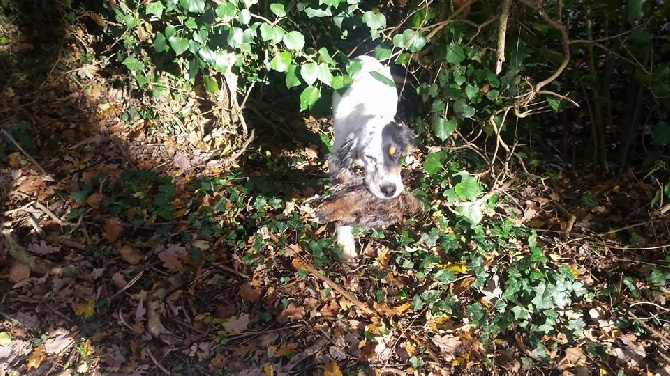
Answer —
192 39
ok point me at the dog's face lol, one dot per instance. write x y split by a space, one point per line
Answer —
382 158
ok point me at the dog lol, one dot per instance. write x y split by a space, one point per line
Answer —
366 133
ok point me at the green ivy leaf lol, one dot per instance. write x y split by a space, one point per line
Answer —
210 84
462 108
374 20
308 97
339 82
455 54
156 8
434 162
318 13
468 188
281 61
472 212
330 3
635 10
160 43
226 11
294 40
410 39
309 73
382 52
661 134
178 44
443 128
494 94
236 37
471 91
383 79
324 74
245 16
133 64
292 79
195 6
324 56
278 9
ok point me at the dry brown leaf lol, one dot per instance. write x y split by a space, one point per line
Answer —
391 311
118 280
18 272
131 255
286 349
173 257
245 349
292 311
42 248
237 325
448 345
250 293
113 227
36 357
574 356
94 200
58 343
331 369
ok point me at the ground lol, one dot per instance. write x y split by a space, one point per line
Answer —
138 247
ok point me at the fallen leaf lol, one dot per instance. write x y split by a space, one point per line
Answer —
331 369
172 257
140 311
42 248
57 344
86 309
284 350
574 356
118 280
18 272
237 325
448 346
292 311
94 200
113 229
131 255
250 293
36 357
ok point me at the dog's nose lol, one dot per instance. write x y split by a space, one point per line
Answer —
388 189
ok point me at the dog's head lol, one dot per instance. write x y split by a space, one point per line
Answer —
382 158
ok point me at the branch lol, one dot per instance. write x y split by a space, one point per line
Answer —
502 33
565 43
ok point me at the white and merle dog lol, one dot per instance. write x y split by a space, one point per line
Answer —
366 133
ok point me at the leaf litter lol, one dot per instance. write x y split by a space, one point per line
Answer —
122 289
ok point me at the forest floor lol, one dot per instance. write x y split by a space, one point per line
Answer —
132 247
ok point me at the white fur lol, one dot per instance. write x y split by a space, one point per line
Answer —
360 114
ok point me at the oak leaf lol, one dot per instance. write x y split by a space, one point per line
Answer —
331 369
131 255
113 229
18 272
36 357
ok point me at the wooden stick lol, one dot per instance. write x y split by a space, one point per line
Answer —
300 264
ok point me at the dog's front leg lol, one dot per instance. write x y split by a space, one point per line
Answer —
345 238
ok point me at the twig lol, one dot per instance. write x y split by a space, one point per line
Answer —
571 217
502 32
300 264
49 213
37 264
127 286
25 153
160 367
